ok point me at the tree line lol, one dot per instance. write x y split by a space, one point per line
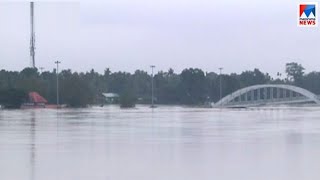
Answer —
192 86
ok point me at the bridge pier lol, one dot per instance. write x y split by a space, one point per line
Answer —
246 97
278 93
252 95
285 93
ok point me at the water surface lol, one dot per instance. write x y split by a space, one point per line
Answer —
168 143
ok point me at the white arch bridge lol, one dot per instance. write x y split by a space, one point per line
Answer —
268 94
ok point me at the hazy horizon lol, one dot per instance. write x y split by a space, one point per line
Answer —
125 36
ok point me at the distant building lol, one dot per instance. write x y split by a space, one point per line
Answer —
111 97
35 100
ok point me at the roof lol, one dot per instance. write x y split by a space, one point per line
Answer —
36 98
110 95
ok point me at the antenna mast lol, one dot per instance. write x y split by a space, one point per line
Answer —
33 38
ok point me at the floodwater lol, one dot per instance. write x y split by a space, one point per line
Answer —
168 143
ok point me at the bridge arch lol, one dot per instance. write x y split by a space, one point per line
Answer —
307 95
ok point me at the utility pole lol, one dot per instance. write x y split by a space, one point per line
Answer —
57 72
33 38
220 82
152 103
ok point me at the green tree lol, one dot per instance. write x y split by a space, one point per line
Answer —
295 72
311 82
167 87
12 98
119 81
141 85
193 87
74 89
127 99
249 78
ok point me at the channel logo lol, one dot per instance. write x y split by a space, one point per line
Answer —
308 15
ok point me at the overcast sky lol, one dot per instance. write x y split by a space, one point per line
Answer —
133 34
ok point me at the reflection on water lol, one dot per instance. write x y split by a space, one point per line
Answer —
32 143
171 143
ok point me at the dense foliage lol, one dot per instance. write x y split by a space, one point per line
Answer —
127 99
12 98
191 86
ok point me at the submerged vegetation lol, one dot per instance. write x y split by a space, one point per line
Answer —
192 86
127 99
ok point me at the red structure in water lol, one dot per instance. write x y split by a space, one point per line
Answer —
35 98
35 101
